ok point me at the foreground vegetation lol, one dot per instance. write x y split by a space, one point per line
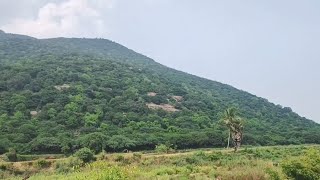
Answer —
276 163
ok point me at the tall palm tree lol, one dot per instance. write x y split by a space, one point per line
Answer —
237 132
235 126
228 117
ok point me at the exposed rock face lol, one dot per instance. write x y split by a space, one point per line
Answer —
165 107
33 113
63 87
2 32
152 94
177 98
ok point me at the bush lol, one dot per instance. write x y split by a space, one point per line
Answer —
102 170
200 154
119 158
162 148
102 156
215 156
274 175
11 155
42 163
194 160
166 171
69 164
137 156
85 154
5 175
305 167
3 167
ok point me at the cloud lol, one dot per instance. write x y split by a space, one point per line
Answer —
70 18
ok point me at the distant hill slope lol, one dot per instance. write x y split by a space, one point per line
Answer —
58 95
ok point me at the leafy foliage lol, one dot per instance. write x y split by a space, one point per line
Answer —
11 155
304 167
60 95
162 148
250 163
42 163
65 166
85 154
235 125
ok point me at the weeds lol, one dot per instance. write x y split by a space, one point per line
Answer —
247 164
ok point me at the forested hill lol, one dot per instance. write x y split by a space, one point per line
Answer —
58 95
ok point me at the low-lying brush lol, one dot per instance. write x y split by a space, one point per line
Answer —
305 167
274 163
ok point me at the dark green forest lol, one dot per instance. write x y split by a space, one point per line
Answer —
59 95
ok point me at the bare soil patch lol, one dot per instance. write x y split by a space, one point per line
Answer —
165 107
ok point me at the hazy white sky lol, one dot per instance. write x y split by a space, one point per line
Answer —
268 48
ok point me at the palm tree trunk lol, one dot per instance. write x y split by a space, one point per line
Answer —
229 139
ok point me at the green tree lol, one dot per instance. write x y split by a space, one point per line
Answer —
120 142
91 119
94 141
4 144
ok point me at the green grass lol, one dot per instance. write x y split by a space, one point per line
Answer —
256 163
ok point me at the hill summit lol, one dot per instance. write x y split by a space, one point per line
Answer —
58 95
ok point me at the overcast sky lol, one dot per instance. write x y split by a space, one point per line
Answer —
269 48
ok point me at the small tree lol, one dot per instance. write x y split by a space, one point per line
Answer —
85 154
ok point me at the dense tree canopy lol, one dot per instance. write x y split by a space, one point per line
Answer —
60 95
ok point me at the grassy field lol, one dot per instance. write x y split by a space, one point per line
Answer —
251 163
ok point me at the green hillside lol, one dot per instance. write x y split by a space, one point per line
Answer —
58 95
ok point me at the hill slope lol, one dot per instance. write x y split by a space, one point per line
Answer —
57 95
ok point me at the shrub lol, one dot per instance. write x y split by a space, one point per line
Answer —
5 175
194 160
305 167
69 164
3 167
102 156
201 154
119 158
249 151
11 155
166 171
180 162
137 156
274 175
42 163
85 154
102 170
215 156
162 148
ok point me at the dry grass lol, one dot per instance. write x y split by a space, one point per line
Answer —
218 164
